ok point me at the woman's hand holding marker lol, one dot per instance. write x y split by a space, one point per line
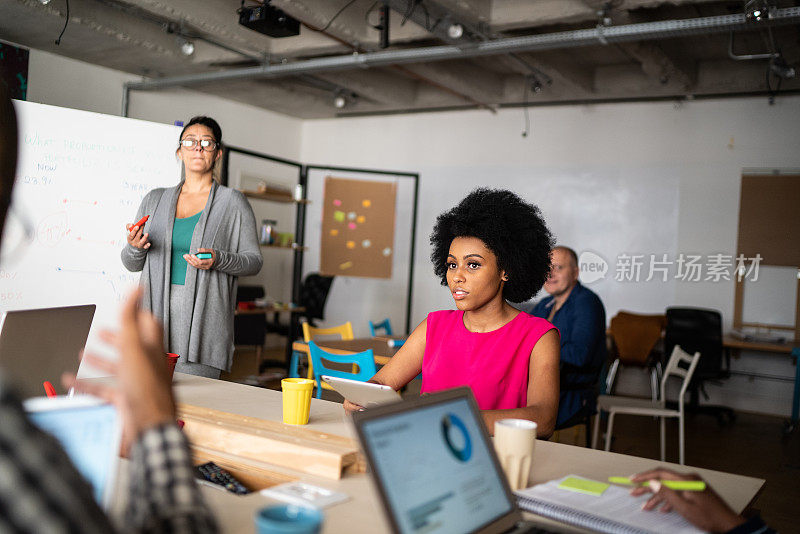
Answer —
136 237
204 259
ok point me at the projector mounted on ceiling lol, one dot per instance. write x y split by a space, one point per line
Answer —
269 21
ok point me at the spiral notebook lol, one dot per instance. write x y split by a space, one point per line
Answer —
614 511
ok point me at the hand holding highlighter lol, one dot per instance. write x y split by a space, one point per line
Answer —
141 221
203 256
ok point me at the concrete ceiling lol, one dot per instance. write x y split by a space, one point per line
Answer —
140 37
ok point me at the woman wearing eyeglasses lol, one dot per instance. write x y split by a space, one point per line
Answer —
193 296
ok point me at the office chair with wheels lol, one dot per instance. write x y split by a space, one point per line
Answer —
313 295
700 330
249 329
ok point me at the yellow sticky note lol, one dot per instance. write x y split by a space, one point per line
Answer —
338 216
582 485
366 203
334 232
360 219
345 265
350 244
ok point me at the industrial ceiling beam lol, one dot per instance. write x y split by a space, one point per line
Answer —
568 39
653 60
657 65
440 20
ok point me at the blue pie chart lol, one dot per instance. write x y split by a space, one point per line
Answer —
461 449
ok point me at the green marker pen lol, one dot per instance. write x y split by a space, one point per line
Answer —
676 485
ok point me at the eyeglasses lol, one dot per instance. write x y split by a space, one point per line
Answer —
205 144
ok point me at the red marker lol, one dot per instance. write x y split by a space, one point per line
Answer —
49 389
141 221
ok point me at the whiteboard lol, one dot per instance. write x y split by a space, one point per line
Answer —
80 178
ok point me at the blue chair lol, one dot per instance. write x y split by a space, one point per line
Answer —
385 324
364 360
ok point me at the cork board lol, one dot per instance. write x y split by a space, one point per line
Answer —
357 237
769 219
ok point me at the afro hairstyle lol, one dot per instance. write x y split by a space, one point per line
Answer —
510 227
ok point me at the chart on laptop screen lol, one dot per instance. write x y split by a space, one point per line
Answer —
435 469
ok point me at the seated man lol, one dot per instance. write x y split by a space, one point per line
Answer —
579 315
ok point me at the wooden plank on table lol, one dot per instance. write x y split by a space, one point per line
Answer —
249 438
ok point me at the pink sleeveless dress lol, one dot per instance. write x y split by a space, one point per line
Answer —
493 364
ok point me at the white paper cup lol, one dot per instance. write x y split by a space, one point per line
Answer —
514 440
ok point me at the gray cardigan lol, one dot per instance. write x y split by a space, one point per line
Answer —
228 226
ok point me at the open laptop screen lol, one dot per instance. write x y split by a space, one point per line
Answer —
435 469
89 431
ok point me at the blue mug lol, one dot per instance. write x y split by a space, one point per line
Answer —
288 519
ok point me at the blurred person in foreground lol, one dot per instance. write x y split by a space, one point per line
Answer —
40 489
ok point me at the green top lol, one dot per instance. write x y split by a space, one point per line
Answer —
182 232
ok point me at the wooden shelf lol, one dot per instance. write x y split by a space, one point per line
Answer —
275 197
293 246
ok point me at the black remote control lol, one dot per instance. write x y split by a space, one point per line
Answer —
216 475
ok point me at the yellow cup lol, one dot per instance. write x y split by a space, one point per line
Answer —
296 400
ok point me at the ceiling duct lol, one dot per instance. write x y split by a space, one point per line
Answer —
559 40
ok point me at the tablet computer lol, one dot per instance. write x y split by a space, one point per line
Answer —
364 394
89 430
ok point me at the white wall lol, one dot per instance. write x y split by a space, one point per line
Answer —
679 163
683 162
65 82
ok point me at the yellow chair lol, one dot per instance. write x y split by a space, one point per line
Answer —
310 332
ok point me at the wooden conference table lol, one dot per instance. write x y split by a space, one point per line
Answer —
791 348
362 513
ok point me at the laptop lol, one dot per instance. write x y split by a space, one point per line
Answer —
435 468
40 345
89 430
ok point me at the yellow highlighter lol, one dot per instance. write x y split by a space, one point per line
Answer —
676 485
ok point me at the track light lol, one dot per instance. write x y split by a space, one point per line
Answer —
339 101
757 10
186 46
455 31
44 2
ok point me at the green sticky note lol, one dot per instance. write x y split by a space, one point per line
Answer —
338 216
582 485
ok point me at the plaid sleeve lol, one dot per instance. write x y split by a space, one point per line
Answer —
40 489
164 496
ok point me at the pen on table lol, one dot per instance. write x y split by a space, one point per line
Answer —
677 485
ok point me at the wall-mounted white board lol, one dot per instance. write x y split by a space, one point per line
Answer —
80 179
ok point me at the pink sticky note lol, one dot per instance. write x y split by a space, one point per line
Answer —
352 226
337 202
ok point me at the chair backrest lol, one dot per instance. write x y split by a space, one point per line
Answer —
635 335
313 294
344 330
697 330
674 368
249 293
364 360
249 329
385 324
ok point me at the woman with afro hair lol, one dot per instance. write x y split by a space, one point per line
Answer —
490 249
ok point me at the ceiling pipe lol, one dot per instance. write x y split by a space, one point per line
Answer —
559 40
358 50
